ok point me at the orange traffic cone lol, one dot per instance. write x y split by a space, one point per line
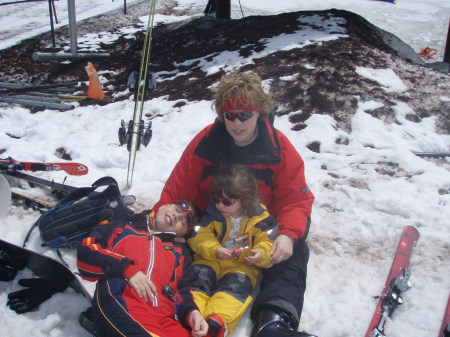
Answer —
95 89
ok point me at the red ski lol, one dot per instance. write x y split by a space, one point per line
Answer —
71 168
397 282
445 327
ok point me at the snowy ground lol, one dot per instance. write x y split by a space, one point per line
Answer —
368 185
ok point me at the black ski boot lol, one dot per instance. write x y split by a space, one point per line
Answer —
272 322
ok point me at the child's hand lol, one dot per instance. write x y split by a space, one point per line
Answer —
223 254
255 256
143 286
197 323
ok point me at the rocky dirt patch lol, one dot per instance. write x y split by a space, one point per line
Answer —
321 78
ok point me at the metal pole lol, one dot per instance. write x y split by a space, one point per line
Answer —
72 27
223 9
58 106
54 11
50 10
68 56
447 46
28 87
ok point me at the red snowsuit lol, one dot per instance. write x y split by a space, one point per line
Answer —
113 253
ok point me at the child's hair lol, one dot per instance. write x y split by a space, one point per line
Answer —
237 182
248 87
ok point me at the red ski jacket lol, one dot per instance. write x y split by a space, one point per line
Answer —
276 164
120 249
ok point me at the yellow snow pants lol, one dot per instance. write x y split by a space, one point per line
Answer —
224 288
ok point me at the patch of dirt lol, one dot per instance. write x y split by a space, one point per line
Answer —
321 77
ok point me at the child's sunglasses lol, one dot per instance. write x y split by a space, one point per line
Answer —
242 116
185 207
225 201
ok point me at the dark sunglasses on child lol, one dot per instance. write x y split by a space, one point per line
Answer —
242 116
185 207
225 201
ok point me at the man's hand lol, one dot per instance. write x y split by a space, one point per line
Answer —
143 286
224 254
197 323
282 249
255 256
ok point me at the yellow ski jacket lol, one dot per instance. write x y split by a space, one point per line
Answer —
214 229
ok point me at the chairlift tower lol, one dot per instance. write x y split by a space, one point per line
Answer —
74 54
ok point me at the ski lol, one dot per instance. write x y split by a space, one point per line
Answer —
13 165
445 327
140 94
58 190
397 282
33 203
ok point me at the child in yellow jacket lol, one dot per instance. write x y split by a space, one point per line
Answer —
231 243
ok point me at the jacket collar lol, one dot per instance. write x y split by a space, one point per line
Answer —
218 144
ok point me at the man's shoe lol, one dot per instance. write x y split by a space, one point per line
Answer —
217 327
269 323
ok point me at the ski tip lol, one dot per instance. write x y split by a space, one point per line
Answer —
412 231
82 169
75 169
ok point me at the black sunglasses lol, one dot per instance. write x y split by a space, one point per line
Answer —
242 116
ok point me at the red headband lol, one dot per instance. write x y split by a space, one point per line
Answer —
237 105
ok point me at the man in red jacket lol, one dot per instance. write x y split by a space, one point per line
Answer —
244 134
143 274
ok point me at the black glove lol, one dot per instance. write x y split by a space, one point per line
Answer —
38 291
10 264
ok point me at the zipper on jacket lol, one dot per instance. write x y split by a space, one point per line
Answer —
151 264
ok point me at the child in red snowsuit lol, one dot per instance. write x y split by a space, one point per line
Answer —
143 273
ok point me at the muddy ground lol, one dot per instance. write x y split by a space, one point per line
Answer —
325 81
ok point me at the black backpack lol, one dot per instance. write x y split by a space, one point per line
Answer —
71 220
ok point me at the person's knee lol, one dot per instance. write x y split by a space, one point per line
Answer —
238 285
204 278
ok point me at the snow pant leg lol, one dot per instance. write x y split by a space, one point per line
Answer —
231 299
113 302
111 317
283 285
203 285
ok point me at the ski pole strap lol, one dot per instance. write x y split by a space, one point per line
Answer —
61 258
27 237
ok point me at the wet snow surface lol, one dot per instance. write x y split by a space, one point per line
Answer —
354 109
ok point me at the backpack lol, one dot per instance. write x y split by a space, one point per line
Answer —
71 220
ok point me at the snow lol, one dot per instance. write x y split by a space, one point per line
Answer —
387 79
368 184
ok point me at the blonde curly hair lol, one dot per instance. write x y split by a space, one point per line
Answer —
246 86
